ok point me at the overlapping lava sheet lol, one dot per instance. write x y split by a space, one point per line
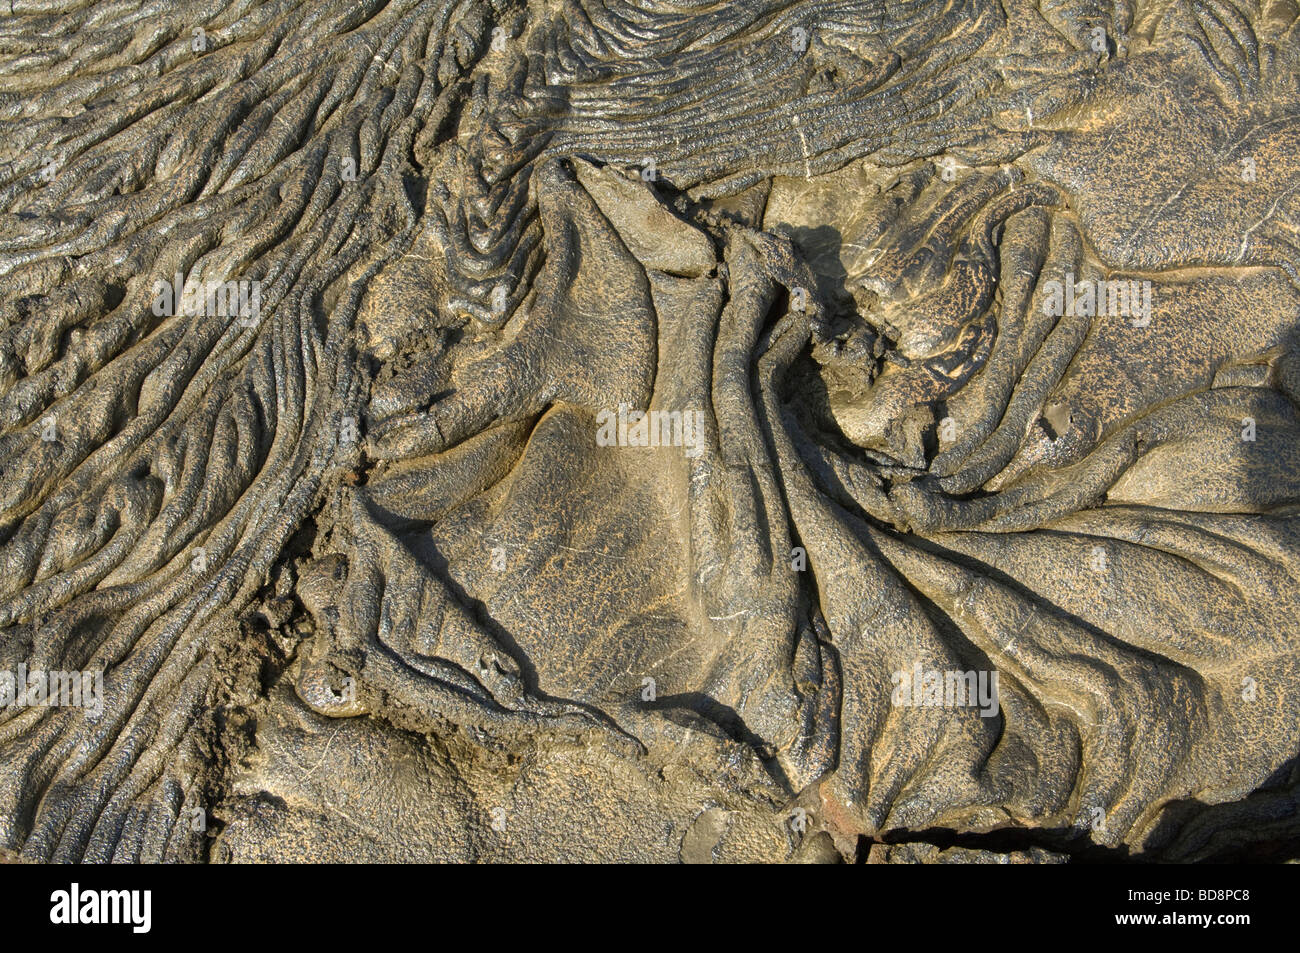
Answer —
830 229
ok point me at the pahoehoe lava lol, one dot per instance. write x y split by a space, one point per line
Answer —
634 430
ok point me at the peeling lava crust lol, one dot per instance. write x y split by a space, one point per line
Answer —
632 430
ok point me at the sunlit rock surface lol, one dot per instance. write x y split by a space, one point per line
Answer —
618 430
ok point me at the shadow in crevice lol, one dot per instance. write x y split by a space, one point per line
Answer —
698 707
1262 827
1189 831
820 248
1058 840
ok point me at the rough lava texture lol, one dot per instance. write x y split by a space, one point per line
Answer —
378 568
